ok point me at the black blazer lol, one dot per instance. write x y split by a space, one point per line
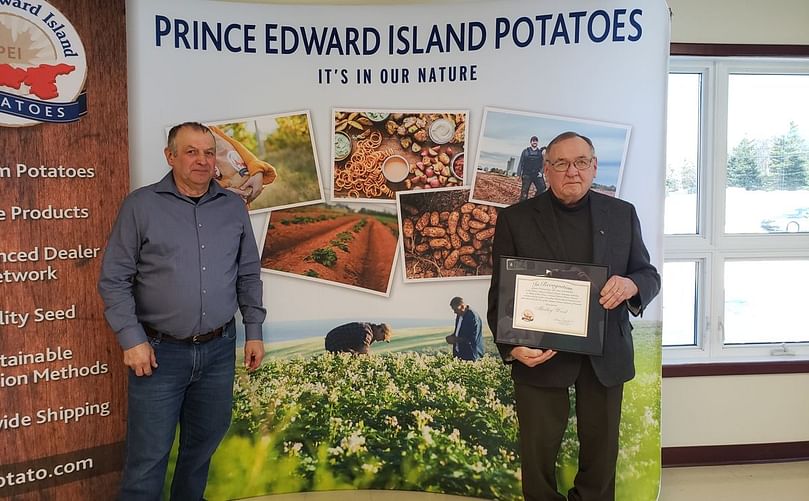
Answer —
529 229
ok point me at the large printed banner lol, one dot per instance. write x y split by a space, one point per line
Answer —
63 172
374 146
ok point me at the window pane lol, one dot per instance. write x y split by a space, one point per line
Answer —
768 154
682 153
765 301
680 303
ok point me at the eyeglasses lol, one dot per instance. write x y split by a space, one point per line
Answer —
564 165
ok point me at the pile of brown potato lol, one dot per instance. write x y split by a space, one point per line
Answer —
449 243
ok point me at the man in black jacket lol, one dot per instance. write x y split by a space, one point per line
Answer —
529 169
570 222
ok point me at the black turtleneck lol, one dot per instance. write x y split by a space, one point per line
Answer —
575 223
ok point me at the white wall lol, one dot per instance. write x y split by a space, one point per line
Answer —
725 410
721 410
731 21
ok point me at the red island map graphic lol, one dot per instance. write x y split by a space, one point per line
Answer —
41 80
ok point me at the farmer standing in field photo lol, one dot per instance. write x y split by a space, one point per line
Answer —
467 338
529 169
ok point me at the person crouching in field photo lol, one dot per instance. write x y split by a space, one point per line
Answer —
356 337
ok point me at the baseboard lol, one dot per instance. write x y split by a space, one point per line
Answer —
736 368
708 455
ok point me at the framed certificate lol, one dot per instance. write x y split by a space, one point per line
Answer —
551 305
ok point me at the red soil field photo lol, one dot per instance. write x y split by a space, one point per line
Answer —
333 244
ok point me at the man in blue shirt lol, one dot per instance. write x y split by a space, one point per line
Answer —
179 262
467 339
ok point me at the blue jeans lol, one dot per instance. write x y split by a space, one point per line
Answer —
192 386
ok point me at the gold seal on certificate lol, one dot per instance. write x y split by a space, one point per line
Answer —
551 304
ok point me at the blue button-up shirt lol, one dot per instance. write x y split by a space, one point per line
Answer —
181 267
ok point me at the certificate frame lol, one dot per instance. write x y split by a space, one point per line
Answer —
551 304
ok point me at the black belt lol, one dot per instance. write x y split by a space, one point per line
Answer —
198 339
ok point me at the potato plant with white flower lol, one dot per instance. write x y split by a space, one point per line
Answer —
409 421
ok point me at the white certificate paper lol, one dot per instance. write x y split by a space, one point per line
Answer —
554 305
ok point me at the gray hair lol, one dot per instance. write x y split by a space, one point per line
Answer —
171 143
569 135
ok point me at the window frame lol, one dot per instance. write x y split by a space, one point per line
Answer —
700 318
710 246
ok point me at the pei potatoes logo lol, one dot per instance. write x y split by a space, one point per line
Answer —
42 66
